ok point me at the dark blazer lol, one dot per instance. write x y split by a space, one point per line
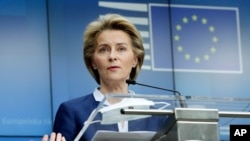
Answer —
73 113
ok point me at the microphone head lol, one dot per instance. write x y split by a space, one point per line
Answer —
130 82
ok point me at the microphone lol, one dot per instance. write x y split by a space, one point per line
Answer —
133 82
182 101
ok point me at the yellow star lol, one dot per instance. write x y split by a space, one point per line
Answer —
211 28
204 21
215 39
176 37
185 20
194 17
180 48
213 49
187 56
197 59
178 27
206 57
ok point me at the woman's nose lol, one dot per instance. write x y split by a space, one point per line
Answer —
112 55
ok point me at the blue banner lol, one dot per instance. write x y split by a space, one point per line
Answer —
201 39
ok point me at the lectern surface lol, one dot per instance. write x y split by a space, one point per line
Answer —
123 136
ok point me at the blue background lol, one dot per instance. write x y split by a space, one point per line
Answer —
41 61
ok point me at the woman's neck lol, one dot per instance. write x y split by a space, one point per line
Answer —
116 88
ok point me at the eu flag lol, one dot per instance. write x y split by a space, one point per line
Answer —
204 39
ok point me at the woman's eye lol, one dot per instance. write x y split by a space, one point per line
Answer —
121 49
103 50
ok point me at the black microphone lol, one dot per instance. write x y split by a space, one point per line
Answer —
182 101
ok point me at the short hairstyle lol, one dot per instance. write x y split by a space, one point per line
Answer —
112 22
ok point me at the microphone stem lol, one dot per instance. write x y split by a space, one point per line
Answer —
181 99
159 88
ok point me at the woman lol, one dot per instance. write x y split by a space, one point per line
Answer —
113 53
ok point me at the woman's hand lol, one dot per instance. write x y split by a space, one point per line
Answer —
54 137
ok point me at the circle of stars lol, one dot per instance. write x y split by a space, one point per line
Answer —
181 48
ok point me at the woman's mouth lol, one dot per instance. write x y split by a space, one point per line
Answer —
113 67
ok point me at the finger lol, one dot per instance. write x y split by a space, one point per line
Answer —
45 138
58 137
63 138
52 136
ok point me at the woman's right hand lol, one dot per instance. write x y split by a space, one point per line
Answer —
54 137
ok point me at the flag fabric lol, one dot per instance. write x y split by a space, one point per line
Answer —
202 38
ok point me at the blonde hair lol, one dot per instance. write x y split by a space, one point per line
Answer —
112 22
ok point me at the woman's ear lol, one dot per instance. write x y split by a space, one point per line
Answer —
93 65
135 62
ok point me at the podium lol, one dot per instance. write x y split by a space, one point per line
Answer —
197 120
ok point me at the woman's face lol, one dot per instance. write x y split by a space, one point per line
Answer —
113 57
